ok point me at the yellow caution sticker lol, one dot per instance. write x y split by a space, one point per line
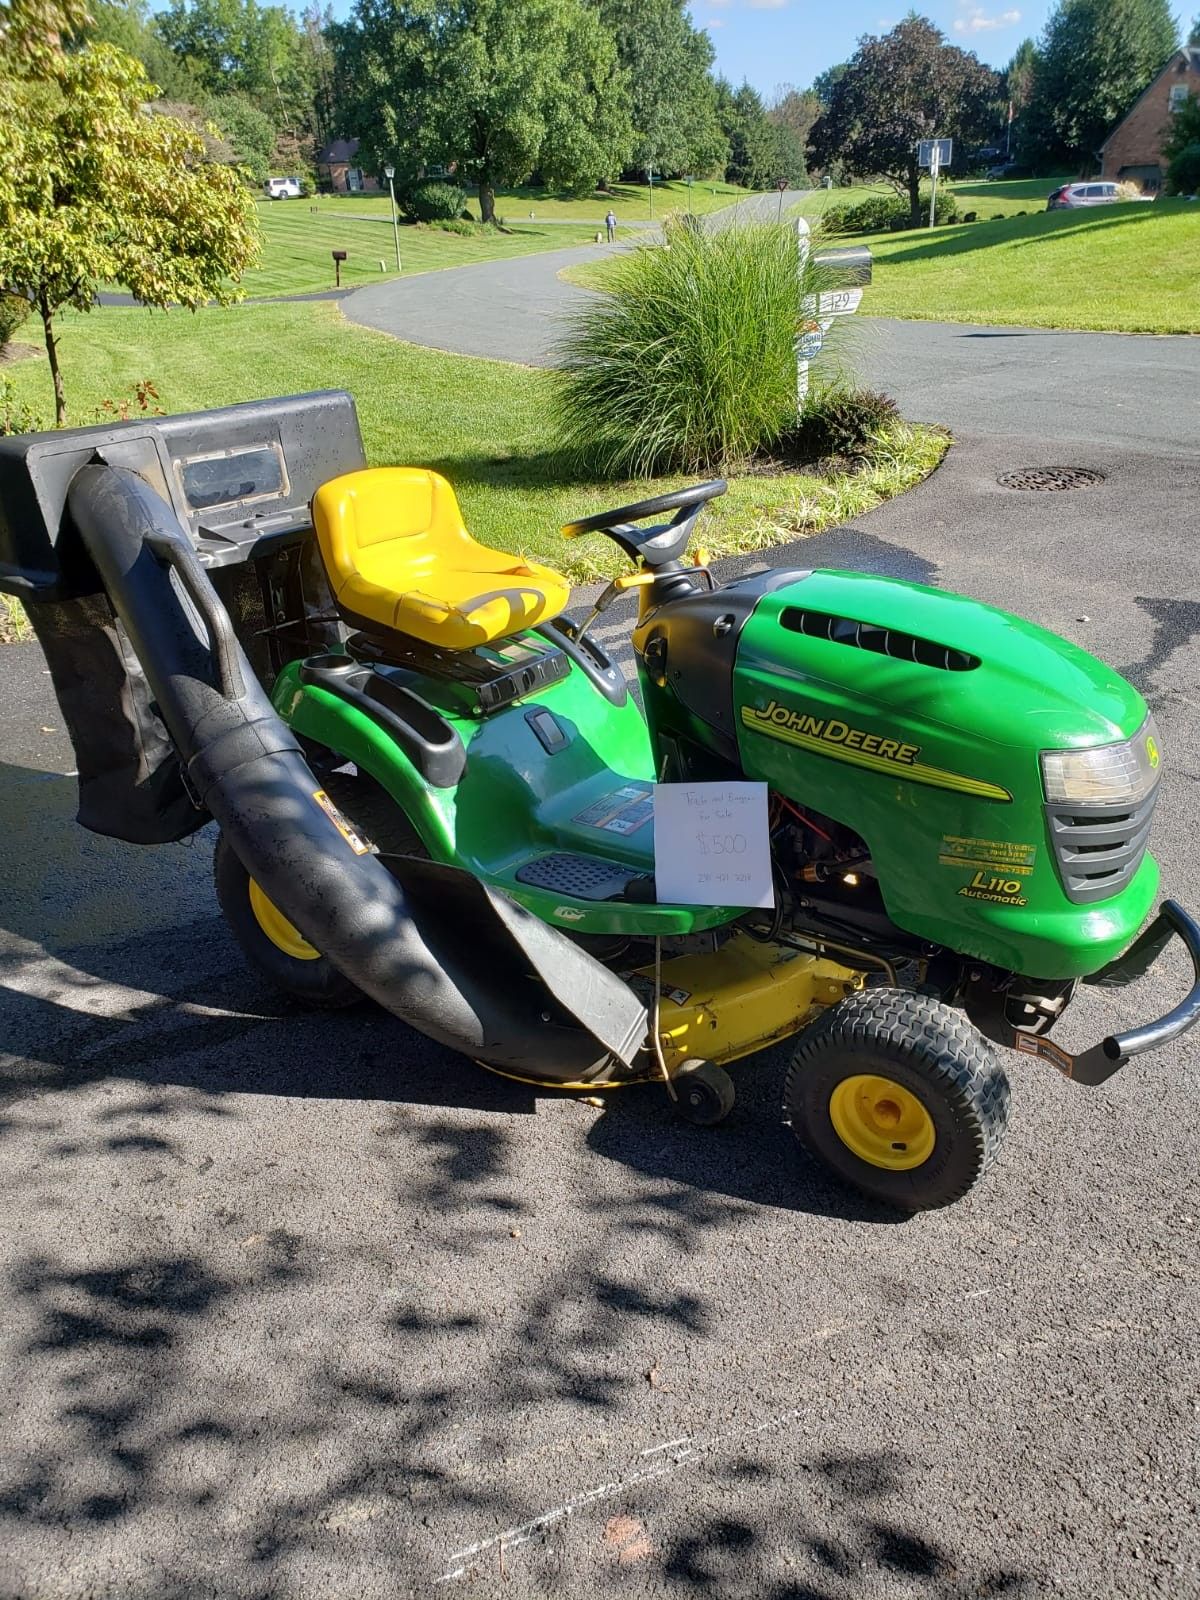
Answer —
360 846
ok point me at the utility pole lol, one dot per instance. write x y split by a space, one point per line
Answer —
389 173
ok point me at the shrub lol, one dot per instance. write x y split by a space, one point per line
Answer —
14 308
431 200
15 415
883 213
466 228
1183 171
685 361
839 422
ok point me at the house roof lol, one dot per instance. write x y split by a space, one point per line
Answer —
1191 56
337 152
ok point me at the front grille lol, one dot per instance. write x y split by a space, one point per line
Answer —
1099 848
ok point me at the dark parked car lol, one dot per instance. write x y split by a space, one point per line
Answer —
1008 169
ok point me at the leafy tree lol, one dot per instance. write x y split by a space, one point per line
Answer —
906 86
95 188
1094 59
1193 37
1184 129
754 145
826 82
126 24
793 112
673 97
495 87
250 132
238 46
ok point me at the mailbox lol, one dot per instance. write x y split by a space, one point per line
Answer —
843 265
338 257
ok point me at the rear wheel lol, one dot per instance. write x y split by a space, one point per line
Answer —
900 1096
272 944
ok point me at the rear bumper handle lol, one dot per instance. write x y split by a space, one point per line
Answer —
1104 1059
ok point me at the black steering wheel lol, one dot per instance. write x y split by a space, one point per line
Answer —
657 546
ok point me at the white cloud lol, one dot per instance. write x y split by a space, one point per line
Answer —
766 5
977 20
718 3
715 22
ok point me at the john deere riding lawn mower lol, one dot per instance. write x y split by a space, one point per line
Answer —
435 790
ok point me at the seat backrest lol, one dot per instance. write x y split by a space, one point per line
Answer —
410 509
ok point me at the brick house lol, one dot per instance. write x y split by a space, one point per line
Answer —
338 171
1133 149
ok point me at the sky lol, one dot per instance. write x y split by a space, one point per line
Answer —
769 42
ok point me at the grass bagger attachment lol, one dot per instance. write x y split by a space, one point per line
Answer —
434 790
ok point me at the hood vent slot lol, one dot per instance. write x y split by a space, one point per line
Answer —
882 641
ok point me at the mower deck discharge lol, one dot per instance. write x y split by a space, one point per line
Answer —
435 791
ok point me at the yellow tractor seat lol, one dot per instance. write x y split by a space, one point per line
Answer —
399 558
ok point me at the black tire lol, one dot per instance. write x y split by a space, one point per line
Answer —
931 1052
314 981
704 1093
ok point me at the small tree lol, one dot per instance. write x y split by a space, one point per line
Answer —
907 86
95 188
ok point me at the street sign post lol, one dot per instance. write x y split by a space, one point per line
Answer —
934 154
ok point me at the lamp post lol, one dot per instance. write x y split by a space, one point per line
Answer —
389 173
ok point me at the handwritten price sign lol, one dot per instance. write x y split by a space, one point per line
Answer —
711 846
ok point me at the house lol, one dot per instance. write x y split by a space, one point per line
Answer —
1133 150
338 171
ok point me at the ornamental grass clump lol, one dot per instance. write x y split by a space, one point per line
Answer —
685 361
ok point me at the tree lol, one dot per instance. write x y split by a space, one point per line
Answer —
673 97
793 112
1193 37
125 24
753 139
906 86
495 87
250 132
1094 59
238 46
96 188
826 82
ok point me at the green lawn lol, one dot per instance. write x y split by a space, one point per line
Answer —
484 424
629 201
1121 269
299 235
1125 269
988 199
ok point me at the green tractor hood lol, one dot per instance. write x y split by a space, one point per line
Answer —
919 719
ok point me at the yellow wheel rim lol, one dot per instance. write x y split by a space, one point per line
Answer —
283 934
882 1122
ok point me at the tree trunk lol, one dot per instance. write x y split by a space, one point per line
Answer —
914 195
60 402
487 201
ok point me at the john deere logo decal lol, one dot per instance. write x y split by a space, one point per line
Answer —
828 736
1152 750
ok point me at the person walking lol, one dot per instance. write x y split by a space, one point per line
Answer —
610 223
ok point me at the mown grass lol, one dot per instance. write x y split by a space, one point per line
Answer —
1124 269
989 199
486 425
299 236
1120 269
630 202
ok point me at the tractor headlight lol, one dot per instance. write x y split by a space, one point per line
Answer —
1108 774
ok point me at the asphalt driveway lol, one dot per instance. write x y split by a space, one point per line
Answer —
298 1304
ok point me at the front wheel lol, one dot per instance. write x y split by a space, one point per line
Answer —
272 944
900 1096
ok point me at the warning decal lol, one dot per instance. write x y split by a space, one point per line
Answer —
360 846
622 810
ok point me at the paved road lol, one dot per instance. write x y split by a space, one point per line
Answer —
300 1305
1106 389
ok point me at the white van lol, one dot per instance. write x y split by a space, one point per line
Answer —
282 188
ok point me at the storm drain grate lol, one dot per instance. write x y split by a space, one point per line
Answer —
1051 479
